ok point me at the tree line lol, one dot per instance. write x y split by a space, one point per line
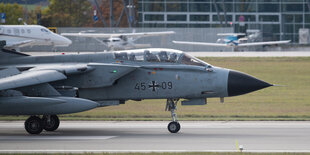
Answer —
63 13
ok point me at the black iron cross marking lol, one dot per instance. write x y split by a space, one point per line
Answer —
154 86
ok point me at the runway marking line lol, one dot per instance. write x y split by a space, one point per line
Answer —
147 151
237 145
56 137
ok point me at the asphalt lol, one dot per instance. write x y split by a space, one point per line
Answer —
101 136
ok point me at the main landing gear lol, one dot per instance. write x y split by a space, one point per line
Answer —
35 125
171 105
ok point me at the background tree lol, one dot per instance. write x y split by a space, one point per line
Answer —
63 13
13 12
32 15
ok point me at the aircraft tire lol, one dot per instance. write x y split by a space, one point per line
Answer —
174 127
179 126
34 125
53 124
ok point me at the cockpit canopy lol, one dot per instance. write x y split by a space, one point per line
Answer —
162 56
45 30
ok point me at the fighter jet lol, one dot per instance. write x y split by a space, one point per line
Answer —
46 86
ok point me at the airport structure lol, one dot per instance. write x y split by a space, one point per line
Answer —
276 19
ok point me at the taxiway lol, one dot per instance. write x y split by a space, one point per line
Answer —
101 136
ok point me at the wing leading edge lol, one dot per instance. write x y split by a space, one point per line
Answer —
264 43
227 45
108 35
200 43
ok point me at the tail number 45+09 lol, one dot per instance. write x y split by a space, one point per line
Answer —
153 85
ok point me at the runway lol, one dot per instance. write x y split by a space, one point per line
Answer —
102 136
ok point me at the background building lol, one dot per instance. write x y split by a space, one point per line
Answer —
276 19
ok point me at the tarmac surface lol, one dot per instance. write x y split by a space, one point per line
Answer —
207 54
202 136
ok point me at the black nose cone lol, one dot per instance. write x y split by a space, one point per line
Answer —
240 83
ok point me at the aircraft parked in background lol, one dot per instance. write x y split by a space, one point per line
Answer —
17 36
63 84
232 40
119 41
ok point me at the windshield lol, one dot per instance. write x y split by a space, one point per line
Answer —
190 60
160 56
149 56
45 30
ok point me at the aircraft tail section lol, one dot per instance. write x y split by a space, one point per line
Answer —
8 54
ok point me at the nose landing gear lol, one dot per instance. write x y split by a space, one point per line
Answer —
171 105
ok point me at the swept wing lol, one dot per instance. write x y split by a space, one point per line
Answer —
264 43
108 35
239 45
200 43
231 34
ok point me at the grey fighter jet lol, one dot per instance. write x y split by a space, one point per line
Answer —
46 86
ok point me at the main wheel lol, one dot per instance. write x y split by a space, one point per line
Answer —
174 127
52 124
34 125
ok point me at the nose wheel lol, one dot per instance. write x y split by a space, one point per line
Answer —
174 127
171 106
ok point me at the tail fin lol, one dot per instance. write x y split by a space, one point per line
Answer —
9 54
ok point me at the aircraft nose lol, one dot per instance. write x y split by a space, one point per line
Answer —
240 83
67 41
61 41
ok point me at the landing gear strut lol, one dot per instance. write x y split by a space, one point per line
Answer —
35 125
171 105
